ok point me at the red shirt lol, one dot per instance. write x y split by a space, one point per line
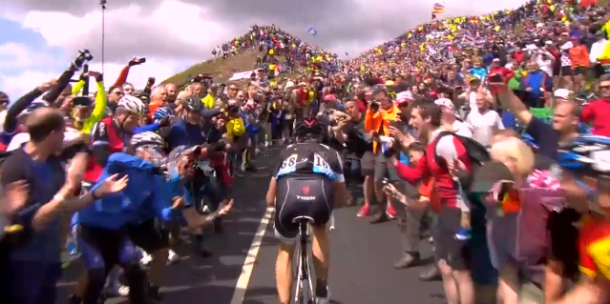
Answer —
446 188
598 112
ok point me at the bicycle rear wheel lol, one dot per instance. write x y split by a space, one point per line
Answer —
304 285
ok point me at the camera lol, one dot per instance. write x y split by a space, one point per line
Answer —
81 58
84 55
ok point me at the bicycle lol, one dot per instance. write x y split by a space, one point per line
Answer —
304 293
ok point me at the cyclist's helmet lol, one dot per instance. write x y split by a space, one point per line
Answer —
163 112
192 103
132 104
308 126
146 138
587 155
152 143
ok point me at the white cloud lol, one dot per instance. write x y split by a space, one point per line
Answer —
174 30
19 56
16 86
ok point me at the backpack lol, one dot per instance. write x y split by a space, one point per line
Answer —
477 153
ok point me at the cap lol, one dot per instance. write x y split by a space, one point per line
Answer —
489 175
562 94
184 150
444 102
496 60
473 78
404 97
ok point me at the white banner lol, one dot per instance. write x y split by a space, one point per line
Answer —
241 75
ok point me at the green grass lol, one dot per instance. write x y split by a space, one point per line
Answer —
220 69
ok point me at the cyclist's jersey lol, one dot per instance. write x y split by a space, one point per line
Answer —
307 159
594 247
104 134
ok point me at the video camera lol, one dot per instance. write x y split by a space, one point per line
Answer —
82 57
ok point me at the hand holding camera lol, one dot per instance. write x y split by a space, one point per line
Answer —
136 61
82 57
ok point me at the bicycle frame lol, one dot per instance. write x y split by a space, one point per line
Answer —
304 293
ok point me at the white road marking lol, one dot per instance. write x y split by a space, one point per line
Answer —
246 271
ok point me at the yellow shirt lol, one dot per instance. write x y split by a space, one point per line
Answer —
208 101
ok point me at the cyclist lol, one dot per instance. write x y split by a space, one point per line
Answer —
587 157
110 228
308 181
111 133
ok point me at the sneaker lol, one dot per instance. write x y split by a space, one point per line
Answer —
322 295
364 211
146 259
173 257
116 291
390 212
463 234
123 291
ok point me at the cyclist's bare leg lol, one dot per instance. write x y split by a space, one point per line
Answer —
283 271
321 253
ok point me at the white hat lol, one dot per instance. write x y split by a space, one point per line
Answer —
444 102
562 94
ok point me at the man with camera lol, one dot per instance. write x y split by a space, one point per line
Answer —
350 132
380 115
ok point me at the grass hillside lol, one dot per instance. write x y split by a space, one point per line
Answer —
220 69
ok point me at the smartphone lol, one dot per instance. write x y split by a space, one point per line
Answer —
141 60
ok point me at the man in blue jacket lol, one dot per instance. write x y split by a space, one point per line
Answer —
104 240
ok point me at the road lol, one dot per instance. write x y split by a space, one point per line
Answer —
361 270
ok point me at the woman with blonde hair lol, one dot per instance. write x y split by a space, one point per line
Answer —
519 201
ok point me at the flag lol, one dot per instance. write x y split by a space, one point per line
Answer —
438 8
312 30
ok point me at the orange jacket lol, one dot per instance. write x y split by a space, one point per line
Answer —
380 121
579 56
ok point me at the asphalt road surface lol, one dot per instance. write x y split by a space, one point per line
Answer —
242 268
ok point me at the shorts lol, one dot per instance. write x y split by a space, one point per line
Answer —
566 71
367 163
149 236
301 196
384 168
579 70
455 252
104 248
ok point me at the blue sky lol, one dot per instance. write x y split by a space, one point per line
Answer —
23 52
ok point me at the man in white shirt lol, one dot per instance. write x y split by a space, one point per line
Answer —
484 121
450 121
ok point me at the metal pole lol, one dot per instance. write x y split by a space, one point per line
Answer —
103 4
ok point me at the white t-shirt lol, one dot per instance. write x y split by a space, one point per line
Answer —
484 125
461 128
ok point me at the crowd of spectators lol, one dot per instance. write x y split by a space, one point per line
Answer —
454 128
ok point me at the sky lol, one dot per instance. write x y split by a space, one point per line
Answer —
40 38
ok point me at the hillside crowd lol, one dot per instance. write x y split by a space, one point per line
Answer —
458 129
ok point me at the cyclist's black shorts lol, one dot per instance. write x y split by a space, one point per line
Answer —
301 196
149 236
